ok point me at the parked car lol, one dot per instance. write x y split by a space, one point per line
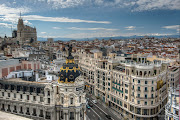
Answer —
90 104
88 107
94 101
109 117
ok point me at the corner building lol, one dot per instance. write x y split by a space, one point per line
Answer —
63 99
135 87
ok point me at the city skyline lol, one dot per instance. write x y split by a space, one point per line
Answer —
92 18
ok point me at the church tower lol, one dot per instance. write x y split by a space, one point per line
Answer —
25 33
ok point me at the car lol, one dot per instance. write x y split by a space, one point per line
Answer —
109 117
94 101
90 104
88 107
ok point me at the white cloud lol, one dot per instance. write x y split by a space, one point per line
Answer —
6 25
143 5
8 14
56 27
43 32
130 28
173 27
4 10
76 28
60 19
134 5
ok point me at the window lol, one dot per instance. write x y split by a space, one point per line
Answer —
151 102
152 89
138 81
146 82
133 80
80 99
34 98
138 95
114 99
126 97
21 96
138 102
15 108
62 100
152 82
126 91
145 96
145 103
41 99
14 95
145 89
8 94
48 93
2 93
152 96
139 89
71 101
49 100
117 101
27 97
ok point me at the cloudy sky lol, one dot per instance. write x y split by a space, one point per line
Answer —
92 18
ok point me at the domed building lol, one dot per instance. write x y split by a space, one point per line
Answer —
63 99
71 95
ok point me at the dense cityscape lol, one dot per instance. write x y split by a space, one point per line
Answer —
133 78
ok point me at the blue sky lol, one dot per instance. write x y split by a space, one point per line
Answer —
92 18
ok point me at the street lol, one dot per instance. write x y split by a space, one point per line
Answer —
98 111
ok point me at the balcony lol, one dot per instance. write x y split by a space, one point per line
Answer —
41 115
138 90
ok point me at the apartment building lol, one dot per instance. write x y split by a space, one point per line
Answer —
135 87
172 107
63 99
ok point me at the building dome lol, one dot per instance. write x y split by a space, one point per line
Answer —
69 71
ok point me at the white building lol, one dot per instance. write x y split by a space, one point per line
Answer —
172 107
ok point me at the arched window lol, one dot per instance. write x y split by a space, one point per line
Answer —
145 73
149 73
155 72
140 73
71 101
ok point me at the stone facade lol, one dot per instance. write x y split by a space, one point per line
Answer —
43 101
25 34
172 107
135 88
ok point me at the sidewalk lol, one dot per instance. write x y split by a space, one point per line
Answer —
111 110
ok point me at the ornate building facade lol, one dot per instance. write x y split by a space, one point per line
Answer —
63 99
25 33
134 87
172 107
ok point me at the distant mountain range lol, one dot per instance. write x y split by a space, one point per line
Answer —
107 38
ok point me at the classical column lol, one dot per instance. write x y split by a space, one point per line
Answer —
38 112
84 115
77 114
44 113
53 115
64 116
57 115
